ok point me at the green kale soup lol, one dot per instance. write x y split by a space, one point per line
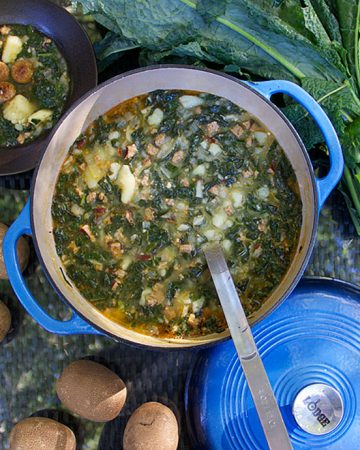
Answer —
34 84
151 182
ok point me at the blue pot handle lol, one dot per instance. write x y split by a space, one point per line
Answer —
324 185
75 325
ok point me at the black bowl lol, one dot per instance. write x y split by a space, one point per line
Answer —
75 46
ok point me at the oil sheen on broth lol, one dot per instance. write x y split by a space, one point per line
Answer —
151 182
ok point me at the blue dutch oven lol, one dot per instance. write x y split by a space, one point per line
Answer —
35 220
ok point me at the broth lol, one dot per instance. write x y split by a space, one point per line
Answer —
149 184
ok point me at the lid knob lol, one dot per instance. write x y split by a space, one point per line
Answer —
318 409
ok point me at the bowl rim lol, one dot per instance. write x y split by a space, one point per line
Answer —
22 158
175 344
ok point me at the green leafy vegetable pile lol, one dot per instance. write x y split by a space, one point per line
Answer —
311 42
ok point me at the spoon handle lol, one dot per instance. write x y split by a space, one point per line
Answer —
252 365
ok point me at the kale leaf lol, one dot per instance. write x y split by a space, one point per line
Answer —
314 43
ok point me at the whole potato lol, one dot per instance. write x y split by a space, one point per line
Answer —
153 426
23 252
5 320
40 433
91 390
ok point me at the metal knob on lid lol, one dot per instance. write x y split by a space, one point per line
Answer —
318 409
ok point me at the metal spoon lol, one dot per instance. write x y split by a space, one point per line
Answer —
258 382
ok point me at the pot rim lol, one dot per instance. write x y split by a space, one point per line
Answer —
172 345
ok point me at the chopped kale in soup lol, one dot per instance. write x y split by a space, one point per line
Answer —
149 184
34 84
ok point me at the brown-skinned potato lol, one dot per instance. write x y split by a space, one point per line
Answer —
37 433
151 426
91 391
23 253
5 320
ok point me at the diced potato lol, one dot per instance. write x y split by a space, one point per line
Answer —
182 142
13 46
263 192
114 170
126 262
182 297
18 109
190 101
199 189
185 311
219 219
215 149
232 117
212 235
103 151
198 304
43 115
76 210
93 175
198 220
127 183
238 198
156 117
168 253
114 135
183 227
261 137
98 164
199 170
182 205
145 293
226 245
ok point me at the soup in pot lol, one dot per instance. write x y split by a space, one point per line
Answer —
151 182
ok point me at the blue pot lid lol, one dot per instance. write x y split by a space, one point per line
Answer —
313 337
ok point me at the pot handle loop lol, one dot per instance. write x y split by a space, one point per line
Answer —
324 185
75 325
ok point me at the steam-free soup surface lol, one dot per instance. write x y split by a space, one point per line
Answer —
34 84
148 185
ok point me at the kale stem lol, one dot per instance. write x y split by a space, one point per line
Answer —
270 51
356 98
346 115
329 94
351 187
356 46
276 55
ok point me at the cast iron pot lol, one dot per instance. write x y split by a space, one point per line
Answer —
36 219
76 48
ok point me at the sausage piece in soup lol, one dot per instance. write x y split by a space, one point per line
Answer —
151 182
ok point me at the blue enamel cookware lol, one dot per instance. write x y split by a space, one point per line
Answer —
35 220
310 347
